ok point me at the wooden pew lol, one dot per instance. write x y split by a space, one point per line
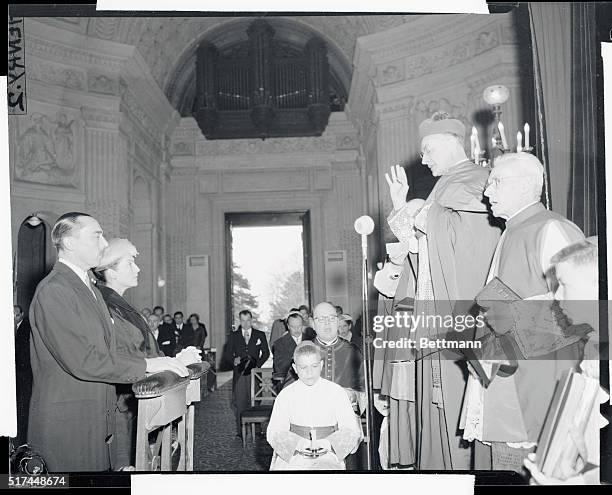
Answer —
162 399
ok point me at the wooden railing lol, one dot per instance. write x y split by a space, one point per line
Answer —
163 399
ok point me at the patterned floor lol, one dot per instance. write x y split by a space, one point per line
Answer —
216 447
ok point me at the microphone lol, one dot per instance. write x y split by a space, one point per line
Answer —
364 225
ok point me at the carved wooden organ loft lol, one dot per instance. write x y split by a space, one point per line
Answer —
262 87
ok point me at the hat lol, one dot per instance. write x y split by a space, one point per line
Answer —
345 317
441 123
116 249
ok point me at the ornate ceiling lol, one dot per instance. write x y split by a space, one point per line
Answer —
168 44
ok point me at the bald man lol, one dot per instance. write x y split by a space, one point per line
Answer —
342 364
508 415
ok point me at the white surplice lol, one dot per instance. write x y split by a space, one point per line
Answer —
322 404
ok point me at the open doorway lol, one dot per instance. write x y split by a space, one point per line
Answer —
268 265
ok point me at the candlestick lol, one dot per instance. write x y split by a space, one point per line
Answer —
493 142
526 135
519 142
500 126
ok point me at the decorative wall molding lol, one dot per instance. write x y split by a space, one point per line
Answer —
270 180
269 146
97 117
56 74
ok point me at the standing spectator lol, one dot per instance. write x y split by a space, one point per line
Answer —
199 331
339 310
249 349
166 337
183 333
145 312
305 312
346 330
23 373
75 363
117 272
159 311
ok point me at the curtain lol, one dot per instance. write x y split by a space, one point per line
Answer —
582 197
564 58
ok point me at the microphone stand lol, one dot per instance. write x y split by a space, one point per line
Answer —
366 346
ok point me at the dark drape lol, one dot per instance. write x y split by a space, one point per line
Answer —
565 65
582 198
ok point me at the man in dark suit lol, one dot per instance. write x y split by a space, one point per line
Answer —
249 349
283 348
166 338
23 373
73 356
185 334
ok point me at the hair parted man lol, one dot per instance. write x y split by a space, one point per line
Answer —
74 360
249 349
455 248
314 413
509 414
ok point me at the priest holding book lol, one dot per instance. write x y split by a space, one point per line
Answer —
505 418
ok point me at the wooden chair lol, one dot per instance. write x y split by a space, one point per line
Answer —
262 400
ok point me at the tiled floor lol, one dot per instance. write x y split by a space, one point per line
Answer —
216 447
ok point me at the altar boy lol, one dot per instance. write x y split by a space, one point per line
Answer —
313 426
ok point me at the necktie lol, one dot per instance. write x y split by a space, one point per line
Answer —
89 286
247 336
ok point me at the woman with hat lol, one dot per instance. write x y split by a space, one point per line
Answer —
117 272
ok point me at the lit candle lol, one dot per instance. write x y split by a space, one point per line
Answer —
526 135
313 438
472 147
500 126
519 142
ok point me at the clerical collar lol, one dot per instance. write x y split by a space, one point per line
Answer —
327 344
525 212
82 274
452 168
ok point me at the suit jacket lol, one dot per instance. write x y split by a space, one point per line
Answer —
257 348
199 336
282 350
74 366
185 336
167 339
23 370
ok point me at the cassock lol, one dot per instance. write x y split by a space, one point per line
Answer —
455 254
511 411
394 371
323 407
342 364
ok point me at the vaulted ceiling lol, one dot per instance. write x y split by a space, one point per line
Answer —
168 44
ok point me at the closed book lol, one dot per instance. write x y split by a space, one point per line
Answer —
570 409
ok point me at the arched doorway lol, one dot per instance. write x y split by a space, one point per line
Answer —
31 263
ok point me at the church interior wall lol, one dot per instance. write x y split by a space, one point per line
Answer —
125 155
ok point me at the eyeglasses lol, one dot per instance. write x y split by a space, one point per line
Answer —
426 151
326 319
497 180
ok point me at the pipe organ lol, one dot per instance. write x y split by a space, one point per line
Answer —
262 87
